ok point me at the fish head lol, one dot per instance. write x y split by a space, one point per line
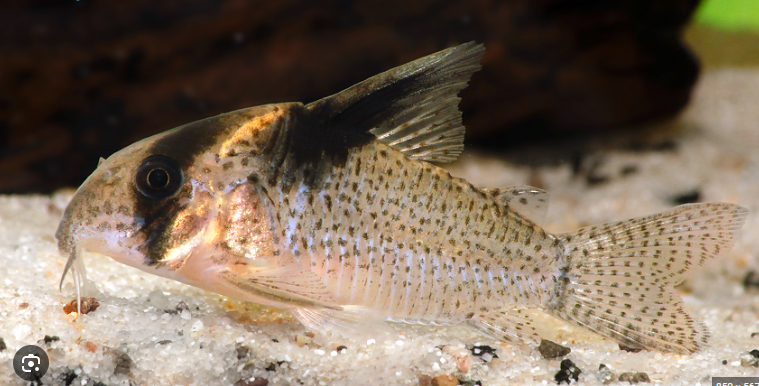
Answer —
181 201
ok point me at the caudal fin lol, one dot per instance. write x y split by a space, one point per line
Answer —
619 277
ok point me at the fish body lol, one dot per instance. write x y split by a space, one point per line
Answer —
334 211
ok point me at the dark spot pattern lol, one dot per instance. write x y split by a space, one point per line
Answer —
394 249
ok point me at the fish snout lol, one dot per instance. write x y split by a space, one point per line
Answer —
67 228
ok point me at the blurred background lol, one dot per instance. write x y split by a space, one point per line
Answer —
82 79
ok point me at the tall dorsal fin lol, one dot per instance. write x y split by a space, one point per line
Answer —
413 107
530 202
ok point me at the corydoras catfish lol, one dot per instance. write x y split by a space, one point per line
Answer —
334 211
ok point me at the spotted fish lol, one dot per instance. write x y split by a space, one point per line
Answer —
334 211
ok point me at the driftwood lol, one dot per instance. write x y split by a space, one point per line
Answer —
79 80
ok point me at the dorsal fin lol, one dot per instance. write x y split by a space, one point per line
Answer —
413 107
530 202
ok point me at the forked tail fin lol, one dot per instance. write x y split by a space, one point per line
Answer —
619 277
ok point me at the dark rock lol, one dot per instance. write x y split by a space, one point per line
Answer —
242 352
122 362
3 346
751 280
67 377
554 67
255 382
182 306
340 348
687 197
750 358
550 350
568 372
628 170
634 377
50 339
164 341
273 366
482 349
630 348
605 375
596 179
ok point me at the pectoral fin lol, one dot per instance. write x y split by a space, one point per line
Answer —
284 286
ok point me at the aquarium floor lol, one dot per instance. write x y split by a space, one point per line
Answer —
152 331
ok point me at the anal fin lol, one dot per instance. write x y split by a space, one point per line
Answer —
513 325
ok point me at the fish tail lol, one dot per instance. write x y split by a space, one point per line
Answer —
618 278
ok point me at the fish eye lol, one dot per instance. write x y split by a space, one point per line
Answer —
158 177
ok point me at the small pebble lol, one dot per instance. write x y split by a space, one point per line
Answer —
242 352
630 348
88 305
254 382
485 352
445 380
181 307
687 197
751 279
302 340
68 376
634 377
569 372
23 305
461 356
122 362
550 350
628 169
750 358
341 348
50 339
2 344
89 346
605 375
